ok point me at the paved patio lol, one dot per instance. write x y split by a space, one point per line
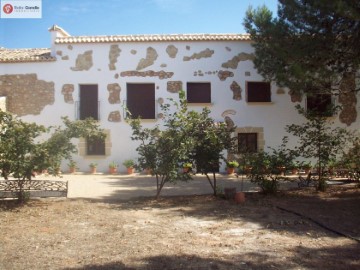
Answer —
124 187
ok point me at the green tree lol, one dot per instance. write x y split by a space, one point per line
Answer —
311 46
186 136
319 140
22 152
210 139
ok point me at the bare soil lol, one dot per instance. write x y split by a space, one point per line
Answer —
192 232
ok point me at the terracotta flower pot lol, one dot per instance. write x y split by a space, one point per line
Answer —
112 170
130 170
239 197
72 169
230 170
93 170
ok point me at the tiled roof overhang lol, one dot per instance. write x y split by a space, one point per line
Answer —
25 55
152 38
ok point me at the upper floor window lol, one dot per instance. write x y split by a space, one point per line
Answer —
199 92
141 100
320 104
89 103
258 91
247 142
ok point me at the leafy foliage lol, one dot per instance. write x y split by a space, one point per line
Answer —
186 136
268 168
22 152
312 45
318 139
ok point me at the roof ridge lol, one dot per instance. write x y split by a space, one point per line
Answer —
153 38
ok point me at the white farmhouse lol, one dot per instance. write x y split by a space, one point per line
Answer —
83 76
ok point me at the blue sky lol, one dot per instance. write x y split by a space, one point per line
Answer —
122 17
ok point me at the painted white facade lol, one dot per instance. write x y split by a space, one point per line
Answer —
272 116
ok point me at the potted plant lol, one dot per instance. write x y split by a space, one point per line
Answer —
294 167
307 167
113 167
231 165
93 167
72 166
129 164
187 166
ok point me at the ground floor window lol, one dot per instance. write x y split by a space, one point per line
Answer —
247 142
95 147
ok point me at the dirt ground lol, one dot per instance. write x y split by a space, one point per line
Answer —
185 232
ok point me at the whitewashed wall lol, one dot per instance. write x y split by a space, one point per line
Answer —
271 116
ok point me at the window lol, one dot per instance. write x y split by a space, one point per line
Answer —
141 100
198 92
247 142
88 105
319 103
95 147
258 92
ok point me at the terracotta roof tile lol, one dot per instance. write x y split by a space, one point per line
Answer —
25 55
152 38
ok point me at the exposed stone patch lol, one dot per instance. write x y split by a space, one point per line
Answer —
70 47
66 57
229 122
227 112
233 63
172 51
59 53
114 93
247 73
228 49
236 89
224 74
188 48
174 86
280 91
150 73
295 97
347 98
67 90
151 56
83 61
114 116
163 65
198 73
133 52
116 76
26 94
114 53
203 54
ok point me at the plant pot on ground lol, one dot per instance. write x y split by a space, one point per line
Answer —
129 164
231 165
187 167
113 167
72 166
93 167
